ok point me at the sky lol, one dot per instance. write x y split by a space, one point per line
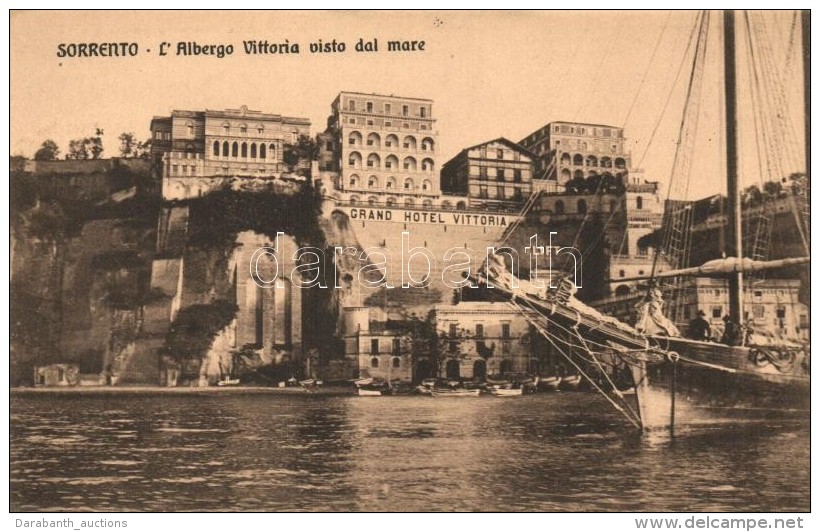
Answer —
489 74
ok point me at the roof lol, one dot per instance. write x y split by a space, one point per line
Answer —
502 140
562 122
385 96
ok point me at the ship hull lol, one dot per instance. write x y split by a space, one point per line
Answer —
709 384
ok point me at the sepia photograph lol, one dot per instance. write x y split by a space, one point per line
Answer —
410 261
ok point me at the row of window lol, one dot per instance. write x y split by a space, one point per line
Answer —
591 160
479 330
391 162
583 130
244 150
499 193
501 174
406 125
408 202
498 153
390 183
387 108
374 362
409 142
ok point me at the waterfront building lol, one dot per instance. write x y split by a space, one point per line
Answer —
191 145
574 150
482 338
377 347
493 175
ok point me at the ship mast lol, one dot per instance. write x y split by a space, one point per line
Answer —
734 246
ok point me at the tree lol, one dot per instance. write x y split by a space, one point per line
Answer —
87 147
48 151
301 153
128 144
78 149
95 146
143 150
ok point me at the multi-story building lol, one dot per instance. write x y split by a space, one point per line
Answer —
234 142
572 150
374 348
383 147
494 175
484 339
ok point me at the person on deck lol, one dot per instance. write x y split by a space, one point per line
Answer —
731 332
699 328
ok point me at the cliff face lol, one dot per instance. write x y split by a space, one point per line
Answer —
80 263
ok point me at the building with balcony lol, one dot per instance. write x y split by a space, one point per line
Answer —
573 150
494 175
482 339
382 147
231 143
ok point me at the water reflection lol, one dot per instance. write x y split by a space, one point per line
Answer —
235 451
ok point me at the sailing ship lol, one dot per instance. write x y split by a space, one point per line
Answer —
675 380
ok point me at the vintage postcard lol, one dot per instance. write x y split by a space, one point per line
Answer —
409 261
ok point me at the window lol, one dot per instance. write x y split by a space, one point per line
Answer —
369 106
329 146
396 362
479 330
352 121
405 110
226 128
621 273
759 311
260 129
517 175
351 105
500 154
396 346
374 347
501 174
639 202
374 362
505 330
453 330
406 125
423 126
243 129
781 312
387 109
717 312
190 128
423 112
369 122
388 124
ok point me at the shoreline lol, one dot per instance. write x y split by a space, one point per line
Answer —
137 389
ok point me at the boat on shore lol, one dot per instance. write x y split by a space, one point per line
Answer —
570 383
455 392
506 392
549 384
